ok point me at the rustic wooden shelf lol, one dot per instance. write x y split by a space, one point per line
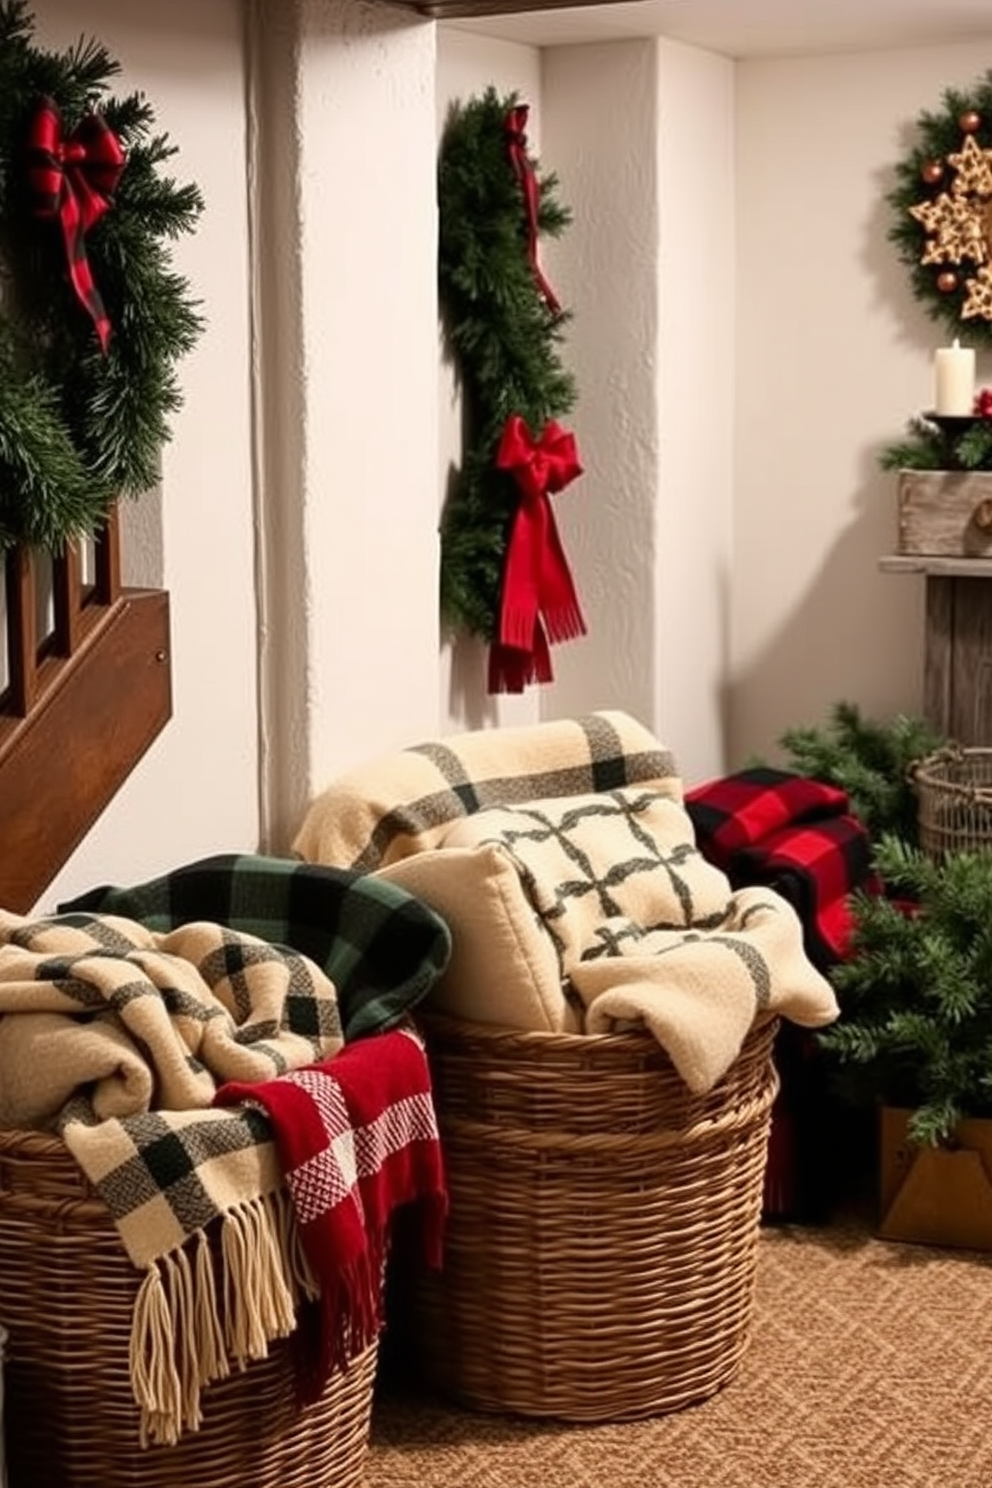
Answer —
957 667
951 568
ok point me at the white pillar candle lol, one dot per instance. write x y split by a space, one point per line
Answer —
954 380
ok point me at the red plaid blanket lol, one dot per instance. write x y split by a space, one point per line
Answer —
357 1137
795 835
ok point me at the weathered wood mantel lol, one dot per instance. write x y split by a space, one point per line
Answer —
957 667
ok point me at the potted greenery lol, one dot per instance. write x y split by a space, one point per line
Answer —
916 1031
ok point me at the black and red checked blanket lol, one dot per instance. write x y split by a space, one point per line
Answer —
794 834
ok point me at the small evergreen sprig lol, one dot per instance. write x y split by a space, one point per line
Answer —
927 447
503 338
916 994
870 760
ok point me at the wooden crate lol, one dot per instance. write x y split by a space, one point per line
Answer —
945 512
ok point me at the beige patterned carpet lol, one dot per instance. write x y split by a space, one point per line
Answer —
870 1367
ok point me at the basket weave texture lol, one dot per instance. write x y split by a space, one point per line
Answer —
67 1291
954 795
601 1246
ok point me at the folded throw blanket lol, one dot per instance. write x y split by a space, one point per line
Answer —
648 932
357 1136
402 803
796 835
118 1037
380 946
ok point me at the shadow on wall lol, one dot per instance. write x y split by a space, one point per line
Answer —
858 633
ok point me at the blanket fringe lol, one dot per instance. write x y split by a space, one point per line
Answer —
183 1335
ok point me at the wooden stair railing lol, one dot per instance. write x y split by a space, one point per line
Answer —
87 689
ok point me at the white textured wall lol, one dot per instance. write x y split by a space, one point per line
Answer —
370 346
600 131
833 357
695 391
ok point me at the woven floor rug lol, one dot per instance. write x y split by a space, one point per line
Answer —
870 1367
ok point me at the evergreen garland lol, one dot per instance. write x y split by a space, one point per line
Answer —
916 995
870 760
80 428
503 337
928 447
946 287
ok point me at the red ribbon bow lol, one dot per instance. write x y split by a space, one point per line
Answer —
983 403
514 126
539 603
74 179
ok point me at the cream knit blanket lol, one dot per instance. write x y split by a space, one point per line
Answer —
118 1038
646 932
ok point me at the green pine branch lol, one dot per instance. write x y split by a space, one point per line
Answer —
870 760
916 992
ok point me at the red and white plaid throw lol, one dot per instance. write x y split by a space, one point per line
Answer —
357 1138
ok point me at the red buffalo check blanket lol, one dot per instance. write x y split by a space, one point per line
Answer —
357 1139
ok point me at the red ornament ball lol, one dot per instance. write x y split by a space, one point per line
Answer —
970 122
932 171
947 282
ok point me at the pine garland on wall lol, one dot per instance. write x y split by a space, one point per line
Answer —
503 573
92 316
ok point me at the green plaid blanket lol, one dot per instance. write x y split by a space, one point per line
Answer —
382 948
402 803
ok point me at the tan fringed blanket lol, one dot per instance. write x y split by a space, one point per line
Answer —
118 1038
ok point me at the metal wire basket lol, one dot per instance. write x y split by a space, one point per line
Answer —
954 793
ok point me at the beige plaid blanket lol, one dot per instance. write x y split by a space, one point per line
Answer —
403 803
118 1037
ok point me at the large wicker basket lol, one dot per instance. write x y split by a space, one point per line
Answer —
954 796
67 1290
601 1246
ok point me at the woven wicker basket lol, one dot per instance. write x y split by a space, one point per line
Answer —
67 1290
601 1246
954 795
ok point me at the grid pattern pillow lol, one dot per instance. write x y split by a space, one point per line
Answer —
604 870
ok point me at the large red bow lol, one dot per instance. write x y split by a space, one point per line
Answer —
74 179
514 126
539 603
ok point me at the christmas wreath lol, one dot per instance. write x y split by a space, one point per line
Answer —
943 211
92 317
504 576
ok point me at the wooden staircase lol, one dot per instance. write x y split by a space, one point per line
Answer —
87 689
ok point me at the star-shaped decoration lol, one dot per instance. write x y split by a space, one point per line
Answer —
955 227
973 167
979 300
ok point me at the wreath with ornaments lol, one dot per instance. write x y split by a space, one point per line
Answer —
504 576
92 316
943 211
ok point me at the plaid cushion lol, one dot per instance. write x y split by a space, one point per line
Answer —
381 947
